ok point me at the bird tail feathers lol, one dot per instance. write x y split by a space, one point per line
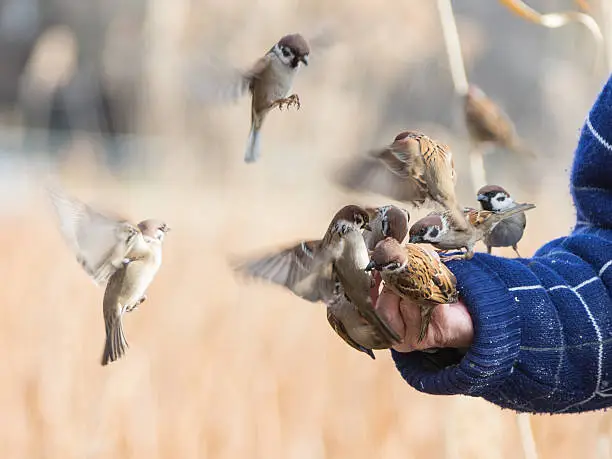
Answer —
252 151
116 343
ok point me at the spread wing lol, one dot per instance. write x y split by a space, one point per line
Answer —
386 172
100 243
305 269
214 80
429 278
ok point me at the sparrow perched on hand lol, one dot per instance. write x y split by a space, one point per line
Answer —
113 251
438 230
416 274
487 122
413 168
342 315
509 231
311 269
386 221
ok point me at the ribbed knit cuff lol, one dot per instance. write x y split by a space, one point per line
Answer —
497 334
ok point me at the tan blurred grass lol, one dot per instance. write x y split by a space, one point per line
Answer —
220 369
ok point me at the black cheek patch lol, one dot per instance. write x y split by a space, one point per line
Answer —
434 232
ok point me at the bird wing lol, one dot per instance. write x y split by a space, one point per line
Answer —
428 278
213 80
341 331
304 268
386 172
99 242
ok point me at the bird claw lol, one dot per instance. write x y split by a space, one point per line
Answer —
446 258
293 99
135 305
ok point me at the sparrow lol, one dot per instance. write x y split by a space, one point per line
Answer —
114 252
350 325
413 168
415 274
386 221
487 122
509 231
342 315
438 230
312 269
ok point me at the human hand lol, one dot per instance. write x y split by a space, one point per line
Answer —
450 326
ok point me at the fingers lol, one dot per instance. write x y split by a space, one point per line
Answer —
388 307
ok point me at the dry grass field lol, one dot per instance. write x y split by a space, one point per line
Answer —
223 369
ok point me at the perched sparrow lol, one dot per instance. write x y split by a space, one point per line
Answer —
342 315
413 168
486 122
311 269
509 231
386 221
437 229
416 274
113 251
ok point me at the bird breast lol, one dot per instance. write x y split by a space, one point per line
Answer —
508 232
137 277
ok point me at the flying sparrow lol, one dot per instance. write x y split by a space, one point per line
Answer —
413 168
114 252
438 230
416 274
509 231
487 122
311 269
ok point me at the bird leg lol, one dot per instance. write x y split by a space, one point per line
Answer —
515 248
134 306
293 99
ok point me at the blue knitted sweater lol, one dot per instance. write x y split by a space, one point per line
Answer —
542 325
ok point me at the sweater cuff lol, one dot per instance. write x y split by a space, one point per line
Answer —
495 348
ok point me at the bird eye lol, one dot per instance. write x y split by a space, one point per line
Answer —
286 52
392 266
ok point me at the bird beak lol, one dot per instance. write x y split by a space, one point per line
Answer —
415 239
304 59
371 266
367 227
481 197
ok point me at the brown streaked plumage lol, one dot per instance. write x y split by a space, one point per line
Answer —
113 251
416 274
310 269
437 229
509 231
414 168
487 122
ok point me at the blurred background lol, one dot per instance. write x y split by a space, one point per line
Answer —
104 95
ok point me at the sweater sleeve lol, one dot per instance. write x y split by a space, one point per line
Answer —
542 325
591 179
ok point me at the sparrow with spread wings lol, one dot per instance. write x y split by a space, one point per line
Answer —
115 252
